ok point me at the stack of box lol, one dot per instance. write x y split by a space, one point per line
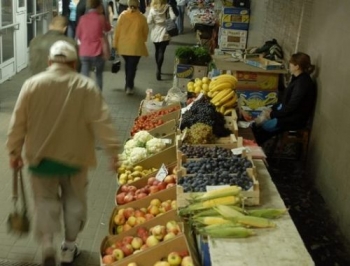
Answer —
234 25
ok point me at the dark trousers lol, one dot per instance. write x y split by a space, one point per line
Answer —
131 63
261 135
159 54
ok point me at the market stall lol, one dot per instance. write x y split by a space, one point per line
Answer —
165 180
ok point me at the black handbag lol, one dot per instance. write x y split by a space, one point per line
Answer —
115 66
171 27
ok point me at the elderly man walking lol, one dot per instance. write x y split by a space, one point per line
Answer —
56 119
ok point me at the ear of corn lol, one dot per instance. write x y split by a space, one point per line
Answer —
215 227
228 232
210 220
257 222
208 212
221 192
267 213
228 200
227 211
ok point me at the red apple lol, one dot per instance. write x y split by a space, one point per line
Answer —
132 188
141 195
109 251
153 189
127 239
155 182
170 179
118 244
144 246
174 258
141 231
152 241
124 188
161 186
136 243
149 216
129 197
139 213
127 249
118 254
108 259
184 253
150 180
128 212
120 198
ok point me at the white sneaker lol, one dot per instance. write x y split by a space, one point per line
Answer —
68 255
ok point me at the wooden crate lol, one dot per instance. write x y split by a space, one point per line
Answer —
251 197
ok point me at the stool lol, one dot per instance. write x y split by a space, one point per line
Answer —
293 136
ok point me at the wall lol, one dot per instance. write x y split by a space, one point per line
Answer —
320 28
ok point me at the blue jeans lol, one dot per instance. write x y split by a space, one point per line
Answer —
131 63
87 62
180 19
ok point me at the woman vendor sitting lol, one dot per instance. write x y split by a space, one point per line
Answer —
296 108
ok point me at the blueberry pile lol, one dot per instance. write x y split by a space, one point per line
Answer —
206 152
198 182
223 171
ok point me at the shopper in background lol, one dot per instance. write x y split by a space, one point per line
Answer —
73 10
56 119
181 6
294 111
39 47
91 36
130 39
159 35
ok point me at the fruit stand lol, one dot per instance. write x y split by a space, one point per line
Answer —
184 198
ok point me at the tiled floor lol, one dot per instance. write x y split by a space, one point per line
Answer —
25 251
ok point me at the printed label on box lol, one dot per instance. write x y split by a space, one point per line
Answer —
235 25
226 32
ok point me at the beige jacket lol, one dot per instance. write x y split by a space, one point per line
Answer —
85 117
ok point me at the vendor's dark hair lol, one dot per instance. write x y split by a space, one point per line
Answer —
303 61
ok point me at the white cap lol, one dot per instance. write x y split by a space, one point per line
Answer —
62 52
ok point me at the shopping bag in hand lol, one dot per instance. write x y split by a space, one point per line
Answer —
18 222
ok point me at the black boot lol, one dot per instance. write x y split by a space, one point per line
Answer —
158 75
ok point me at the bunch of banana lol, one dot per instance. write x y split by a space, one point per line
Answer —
222 93
128 174
199 85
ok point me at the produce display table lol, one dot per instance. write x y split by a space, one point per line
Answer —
276 246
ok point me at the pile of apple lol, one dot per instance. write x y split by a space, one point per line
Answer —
144 239
173 259
176 259
131 193
126 218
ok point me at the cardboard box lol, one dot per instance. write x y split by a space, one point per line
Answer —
238 33
151 255
230 10
251 103
233 39
235 25
264 63
256 80
190 71
143 203
182 83
251 197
